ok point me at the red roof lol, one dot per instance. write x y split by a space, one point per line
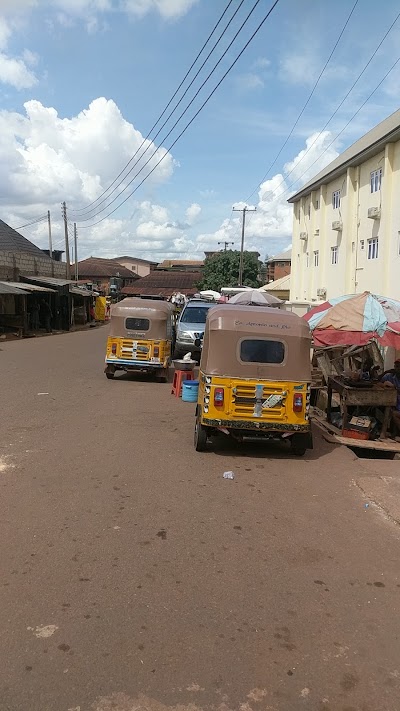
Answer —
98 267
165 284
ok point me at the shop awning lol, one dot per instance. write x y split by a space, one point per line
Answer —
7 288
50 281
80 292
32 287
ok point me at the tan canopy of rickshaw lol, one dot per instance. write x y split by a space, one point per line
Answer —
159 313
227 326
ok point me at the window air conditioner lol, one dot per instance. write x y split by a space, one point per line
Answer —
304 236
321 292
337 225
374 213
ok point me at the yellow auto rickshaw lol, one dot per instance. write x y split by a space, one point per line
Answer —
255 376
140 337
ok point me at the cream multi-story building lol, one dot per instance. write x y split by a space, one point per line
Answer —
346 221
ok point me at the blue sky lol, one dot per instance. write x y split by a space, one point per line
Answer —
83 81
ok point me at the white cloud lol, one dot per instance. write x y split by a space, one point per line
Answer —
261 63
300 68
249 81
15 72
46 158
192 212
168 9
269 229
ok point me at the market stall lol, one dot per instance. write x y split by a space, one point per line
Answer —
349 335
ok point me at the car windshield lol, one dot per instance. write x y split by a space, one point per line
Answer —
195 314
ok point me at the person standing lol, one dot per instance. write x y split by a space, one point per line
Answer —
35 321
47 315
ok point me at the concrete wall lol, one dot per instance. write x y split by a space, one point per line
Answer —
14 264
354 272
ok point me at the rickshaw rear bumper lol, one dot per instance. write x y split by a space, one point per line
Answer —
267 430
135 364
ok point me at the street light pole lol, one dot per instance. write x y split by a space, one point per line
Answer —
226 244
243 210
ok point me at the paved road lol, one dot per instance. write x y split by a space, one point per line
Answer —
133 576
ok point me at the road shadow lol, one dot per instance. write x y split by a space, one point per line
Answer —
263 449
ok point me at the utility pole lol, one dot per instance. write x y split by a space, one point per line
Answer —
76 252
64 214
50 240
226 244
243 210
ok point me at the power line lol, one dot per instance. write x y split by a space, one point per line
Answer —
308 99
341 104
258 28
171 99
289 187
91 217
34 222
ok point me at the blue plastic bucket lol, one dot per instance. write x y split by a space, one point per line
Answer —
190 390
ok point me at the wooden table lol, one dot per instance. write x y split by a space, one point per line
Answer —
374 396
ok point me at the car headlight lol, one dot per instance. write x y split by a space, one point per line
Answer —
185 336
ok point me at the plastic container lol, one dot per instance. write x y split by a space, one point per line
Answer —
190 390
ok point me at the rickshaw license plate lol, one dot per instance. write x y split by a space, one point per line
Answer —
272 401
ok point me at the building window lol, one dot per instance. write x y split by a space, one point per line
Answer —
336 199
307 260
376 180
316 258
309 209
317 204
334 255
373 246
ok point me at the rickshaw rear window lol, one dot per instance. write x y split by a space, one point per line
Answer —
262 351
137 324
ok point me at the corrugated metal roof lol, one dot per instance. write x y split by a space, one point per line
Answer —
282 284
7 288
51 281
31 287
80 292
99 267
12 241
134 259
174 280
282 257
366 147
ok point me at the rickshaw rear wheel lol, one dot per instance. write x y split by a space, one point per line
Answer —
200 436
297 446
110 372
162 376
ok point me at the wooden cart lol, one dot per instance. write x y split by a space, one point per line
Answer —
381 399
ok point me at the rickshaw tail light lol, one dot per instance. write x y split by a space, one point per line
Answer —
156 351
218 397
114 349
297 402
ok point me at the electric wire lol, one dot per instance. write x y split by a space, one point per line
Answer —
260 25
34 222
341 104
311 94
91 217
169 102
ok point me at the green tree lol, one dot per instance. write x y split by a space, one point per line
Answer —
222 269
